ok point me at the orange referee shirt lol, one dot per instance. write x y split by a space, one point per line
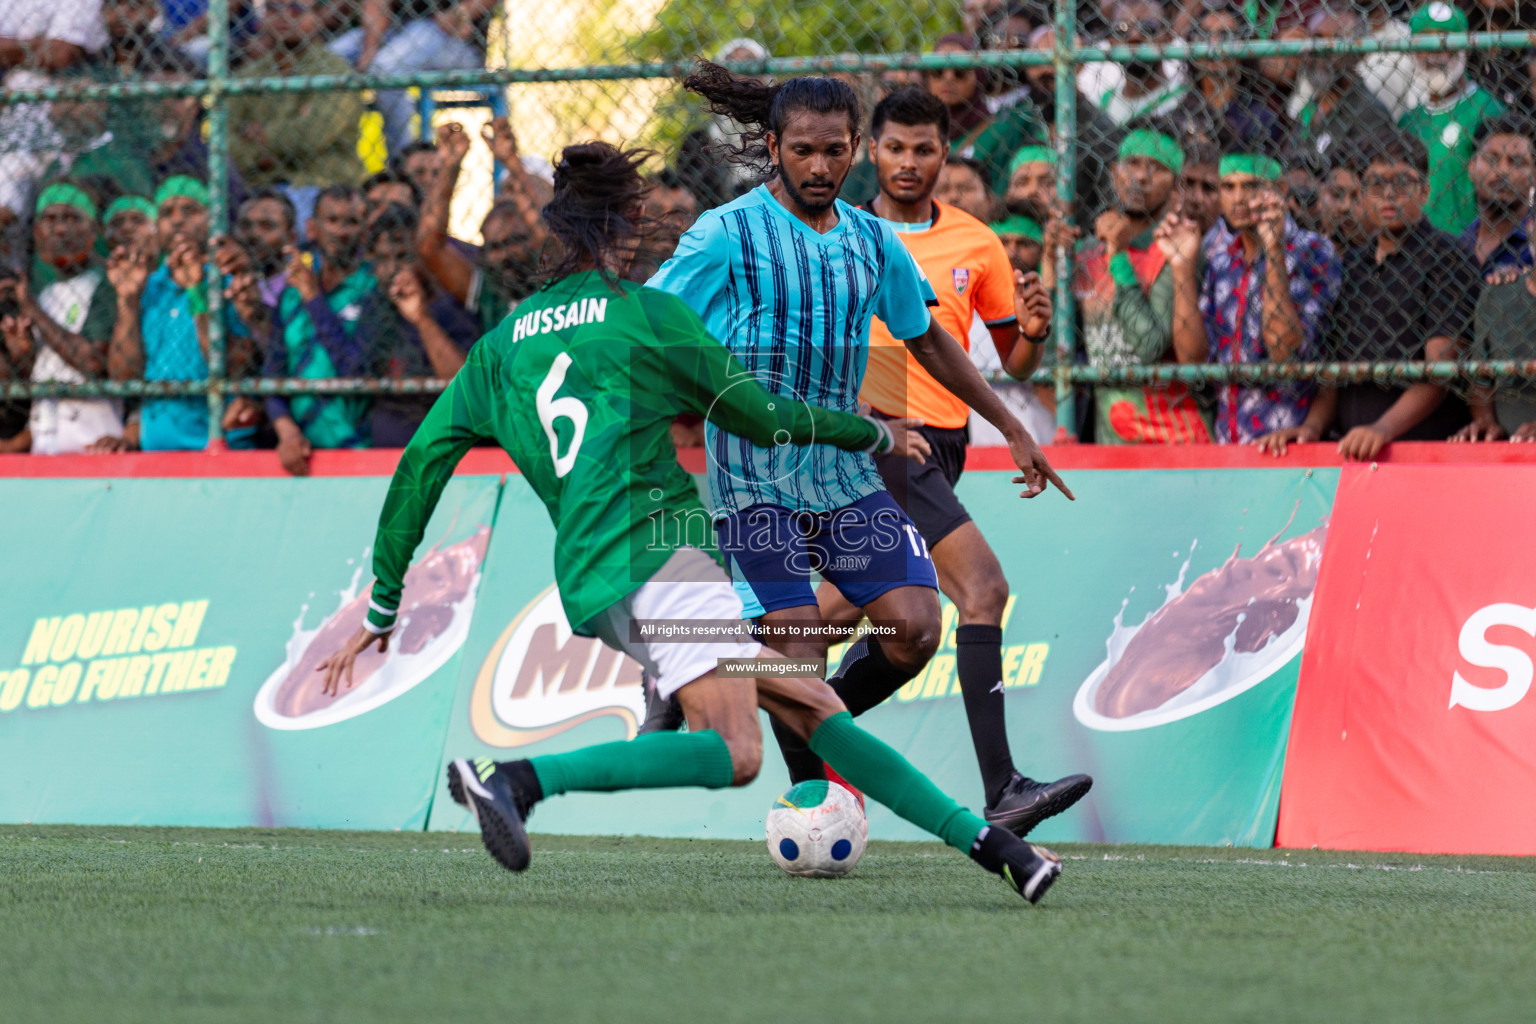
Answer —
970 273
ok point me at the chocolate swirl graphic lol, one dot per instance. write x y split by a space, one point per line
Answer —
1247 601
433 586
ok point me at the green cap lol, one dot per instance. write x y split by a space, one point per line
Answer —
1154 146
1018 224
1032 155
1437 17
181 185
1259 166
123 204
64 194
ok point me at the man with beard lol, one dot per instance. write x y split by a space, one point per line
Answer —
63 333
408 327
1503 173
314 333
265 227
1138 290
1032 120
1339 117
512 235
162 329
1264 296
750 269
908 130
1454 108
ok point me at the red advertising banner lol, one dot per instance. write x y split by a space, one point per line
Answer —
1414 726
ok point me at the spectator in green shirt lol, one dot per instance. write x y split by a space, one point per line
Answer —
1447 121
306 139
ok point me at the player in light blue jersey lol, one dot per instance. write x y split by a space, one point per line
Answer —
788 278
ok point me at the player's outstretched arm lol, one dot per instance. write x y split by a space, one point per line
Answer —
711 382
941 355
455 422
724 391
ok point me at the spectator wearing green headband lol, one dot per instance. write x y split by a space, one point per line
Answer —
1138 290
1265 296
64 333
1031 190
1448 121
130 222
163 319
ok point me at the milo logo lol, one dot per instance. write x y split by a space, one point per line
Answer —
541 679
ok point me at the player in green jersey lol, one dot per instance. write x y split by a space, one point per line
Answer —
580 385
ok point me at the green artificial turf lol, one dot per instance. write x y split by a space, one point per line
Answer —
167 925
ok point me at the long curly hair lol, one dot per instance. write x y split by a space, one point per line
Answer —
595 213
759 108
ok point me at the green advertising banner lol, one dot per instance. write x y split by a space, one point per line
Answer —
159 642
1152 641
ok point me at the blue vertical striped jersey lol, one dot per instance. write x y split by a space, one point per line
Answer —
794 305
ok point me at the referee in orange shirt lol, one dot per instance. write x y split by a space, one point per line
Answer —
970 273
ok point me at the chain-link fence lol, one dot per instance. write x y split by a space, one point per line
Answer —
284 222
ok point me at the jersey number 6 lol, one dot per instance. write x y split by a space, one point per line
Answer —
552 409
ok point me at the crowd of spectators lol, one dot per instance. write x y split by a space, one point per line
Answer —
1318 208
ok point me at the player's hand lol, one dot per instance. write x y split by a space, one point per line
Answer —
1031 304
1036 469
1363 444
340 664
1524 432
1479 430
907 440
1275 443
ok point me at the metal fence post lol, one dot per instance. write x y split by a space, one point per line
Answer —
218 212
1066 191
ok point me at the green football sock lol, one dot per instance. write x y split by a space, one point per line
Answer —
656 760
886 776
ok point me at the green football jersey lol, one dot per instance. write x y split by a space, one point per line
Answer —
580 385
1446 131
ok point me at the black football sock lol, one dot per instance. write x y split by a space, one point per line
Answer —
524 780
803 765
979 661
864 679
987 850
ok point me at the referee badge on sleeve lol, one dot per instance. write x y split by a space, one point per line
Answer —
962 276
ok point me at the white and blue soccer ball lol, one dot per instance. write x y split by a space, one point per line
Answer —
817 830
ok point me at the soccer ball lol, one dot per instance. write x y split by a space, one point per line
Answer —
817 830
